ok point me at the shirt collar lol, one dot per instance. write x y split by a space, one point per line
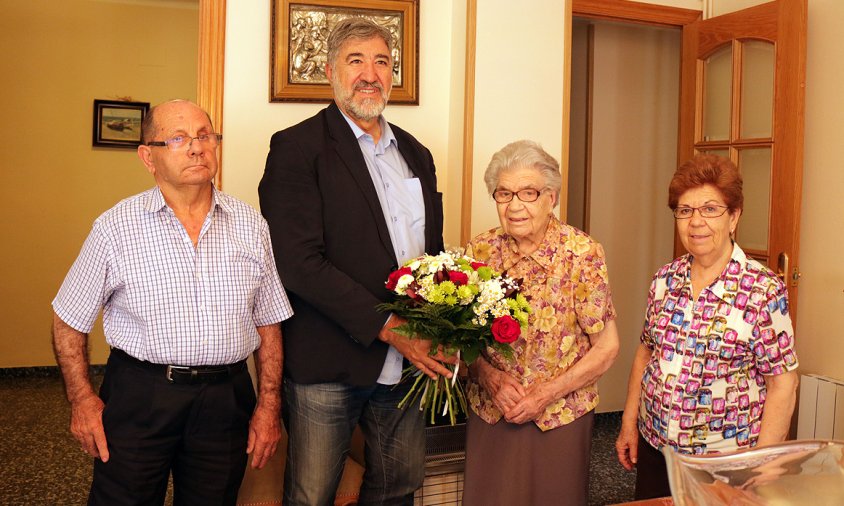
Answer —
387 136
736 264
738 259
546 253
155 201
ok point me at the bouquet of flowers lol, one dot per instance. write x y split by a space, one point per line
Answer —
459 304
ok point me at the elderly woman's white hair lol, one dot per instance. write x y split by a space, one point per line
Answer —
524 153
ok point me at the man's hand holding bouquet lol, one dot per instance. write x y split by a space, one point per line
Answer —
461 307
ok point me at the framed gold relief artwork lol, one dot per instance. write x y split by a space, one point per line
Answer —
299 40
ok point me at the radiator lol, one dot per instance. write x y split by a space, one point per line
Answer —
821 414
445 455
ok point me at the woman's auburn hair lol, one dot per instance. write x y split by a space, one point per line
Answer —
709 169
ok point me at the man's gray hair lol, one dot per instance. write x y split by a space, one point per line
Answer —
527 154
356 28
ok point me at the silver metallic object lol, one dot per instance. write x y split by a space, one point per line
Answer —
790 473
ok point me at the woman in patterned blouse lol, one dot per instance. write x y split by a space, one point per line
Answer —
529 432
714 371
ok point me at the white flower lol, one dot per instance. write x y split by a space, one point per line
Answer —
491 291
479 321
500 309
403 283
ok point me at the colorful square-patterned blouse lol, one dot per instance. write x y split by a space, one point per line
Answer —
703 389
566 282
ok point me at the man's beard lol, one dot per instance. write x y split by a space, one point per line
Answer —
365 110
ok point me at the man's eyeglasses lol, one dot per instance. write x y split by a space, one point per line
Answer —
525 195
180 142
708 211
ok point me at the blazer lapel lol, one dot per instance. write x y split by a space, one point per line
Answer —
348 151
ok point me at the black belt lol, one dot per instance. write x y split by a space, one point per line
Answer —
182 374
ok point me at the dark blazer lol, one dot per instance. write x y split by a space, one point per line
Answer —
332 247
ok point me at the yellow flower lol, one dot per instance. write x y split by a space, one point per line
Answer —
480 251
581 292
578 244
565 346
567 360
566 415
546 319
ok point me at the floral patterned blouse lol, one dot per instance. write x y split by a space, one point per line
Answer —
566 281
703 390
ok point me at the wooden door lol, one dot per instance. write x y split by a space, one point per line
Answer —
742 96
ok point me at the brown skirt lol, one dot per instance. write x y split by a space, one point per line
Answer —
514 465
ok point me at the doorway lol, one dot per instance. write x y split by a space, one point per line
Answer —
625 88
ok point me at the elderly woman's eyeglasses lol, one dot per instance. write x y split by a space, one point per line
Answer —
525 195
708 211
180 142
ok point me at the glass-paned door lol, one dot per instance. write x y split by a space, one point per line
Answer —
742 97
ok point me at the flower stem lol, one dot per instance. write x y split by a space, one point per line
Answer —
412 390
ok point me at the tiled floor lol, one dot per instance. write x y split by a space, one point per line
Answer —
41 464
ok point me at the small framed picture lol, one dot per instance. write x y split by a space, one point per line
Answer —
118 124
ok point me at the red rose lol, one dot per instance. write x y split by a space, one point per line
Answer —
458 278
393 279
505 329
477 265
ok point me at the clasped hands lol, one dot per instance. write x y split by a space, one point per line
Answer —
518 404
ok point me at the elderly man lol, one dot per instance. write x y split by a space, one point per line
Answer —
348 197
188 287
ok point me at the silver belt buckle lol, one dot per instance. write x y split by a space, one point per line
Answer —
171 368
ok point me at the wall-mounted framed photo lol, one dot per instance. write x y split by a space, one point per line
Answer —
298 46
117 124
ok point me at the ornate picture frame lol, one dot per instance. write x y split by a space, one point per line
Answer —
117 124
298 46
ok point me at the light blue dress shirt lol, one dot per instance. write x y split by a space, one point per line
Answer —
400 196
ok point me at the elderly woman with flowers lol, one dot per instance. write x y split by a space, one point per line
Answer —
715 367
529 432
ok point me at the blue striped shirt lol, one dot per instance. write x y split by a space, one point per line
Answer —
166 301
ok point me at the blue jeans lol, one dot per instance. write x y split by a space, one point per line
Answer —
320 419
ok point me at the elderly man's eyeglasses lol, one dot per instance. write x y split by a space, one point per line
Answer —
708 211
525 195
180 142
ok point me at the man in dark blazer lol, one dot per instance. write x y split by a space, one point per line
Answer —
349 197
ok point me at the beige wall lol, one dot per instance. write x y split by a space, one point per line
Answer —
719 7
518 86
57 58
698 5
634 153
820 333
